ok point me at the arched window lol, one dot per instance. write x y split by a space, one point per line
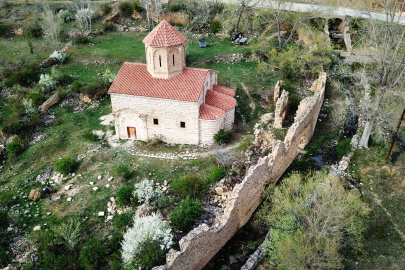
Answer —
160 61
173 59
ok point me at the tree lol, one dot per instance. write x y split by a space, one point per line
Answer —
375 89
158 8
311 219
148 4
52 25
84 14
243 6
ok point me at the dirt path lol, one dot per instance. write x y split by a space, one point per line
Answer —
386 211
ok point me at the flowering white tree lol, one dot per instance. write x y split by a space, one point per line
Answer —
145 228
146 190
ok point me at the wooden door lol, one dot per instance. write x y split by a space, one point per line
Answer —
131 132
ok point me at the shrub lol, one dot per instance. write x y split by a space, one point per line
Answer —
21 127
185 215
162 202
67 234
76 86
109 27
3 219
93 254
137 6
109 77
65 165
146 191
4 30
215 26
4 257
217 174
222 136
81 39
189 185
124 196
343 148
46 81
65 16
122 220
37 98
33 29
26 76
93 88
106 8
64 79
177 7
122 171
58 56
89 135
138 238
14 148
126 9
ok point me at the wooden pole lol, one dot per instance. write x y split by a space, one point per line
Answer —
396 133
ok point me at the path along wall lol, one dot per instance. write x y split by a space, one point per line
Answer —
202 243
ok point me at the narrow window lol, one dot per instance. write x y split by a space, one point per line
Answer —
160 61
155 121
183 124
173 59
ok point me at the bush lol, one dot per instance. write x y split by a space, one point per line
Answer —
177 7
58 56
89 135
46 81
162 202
122 171
33 29
81 39
37 98
217 174
26 76
189 185
93 254
215 26
109 27
137 240
222 136
21 127
106 8
3 219
4 30
65 165
137 6
93 88
65 16
124 196
14 148
185 215
146 191
4 257
126 9
64 79
343 148
76 87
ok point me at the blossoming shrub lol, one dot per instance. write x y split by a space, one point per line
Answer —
46 81
184 216
58 56
146 243
146 191
109 76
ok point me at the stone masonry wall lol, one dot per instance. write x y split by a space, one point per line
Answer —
281 110
208 128
128 108
229 119
203 242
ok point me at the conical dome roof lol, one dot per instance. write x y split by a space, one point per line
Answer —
164 35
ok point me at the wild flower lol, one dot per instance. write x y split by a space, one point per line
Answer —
146 191
59 56
146 227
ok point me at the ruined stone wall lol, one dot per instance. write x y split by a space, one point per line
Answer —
281 110
202 243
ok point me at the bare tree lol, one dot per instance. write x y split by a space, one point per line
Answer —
148 4
244 5
51 24
84 14
376 88
158 9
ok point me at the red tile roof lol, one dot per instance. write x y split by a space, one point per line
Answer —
134 79
164 35
209 112
219 100
224 90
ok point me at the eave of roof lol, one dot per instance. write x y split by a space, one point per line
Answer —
164 35
209 112
219 100
224 90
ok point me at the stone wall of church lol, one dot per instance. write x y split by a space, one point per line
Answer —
208 128
140 112
229 119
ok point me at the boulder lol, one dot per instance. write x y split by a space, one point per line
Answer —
37 228
36 194
145 210
115 18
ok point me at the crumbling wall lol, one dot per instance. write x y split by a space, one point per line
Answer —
277 90
202 243
281 110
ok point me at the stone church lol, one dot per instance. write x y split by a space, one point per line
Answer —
167 99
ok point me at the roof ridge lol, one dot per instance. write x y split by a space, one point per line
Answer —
165 35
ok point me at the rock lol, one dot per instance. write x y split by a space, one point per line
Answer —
145 210
221 190
109 218
99 177
26 212
69 199
91 183
42 178
107 186
37 228
48 213
110 178
95 188
36 194
101 214
114 18
112 199
9 229
67 187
